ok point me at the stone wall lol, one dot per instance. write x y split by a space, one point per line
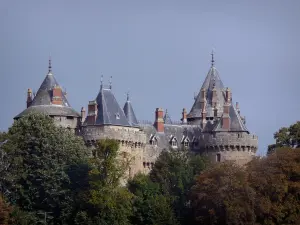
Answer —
67 122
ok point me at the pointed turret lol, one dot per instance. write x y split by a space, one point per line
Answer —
212 91
50 99
105 110
129 112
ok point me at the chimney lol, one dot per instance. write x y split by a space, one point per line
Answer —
82 114
203 98
29 97
237 107
228 95
92 112
56 95
184 116
226 117
159 121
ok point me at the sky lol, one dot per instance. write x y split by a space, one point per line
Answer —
157 50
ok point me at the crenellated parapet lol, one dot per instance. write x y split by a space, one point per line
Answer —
126 136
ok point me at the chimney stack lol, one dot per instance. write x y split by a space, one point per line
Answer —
82 115
214 97
92 112
29 97
226 108
56 95
159 121
203 117
184 116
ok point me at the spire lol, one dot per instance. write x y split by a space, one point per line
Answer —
212 59
110 82
127 94
101 82
167 118
50 66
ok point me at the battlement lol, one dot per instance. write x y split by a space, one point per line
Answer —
125 134
230 141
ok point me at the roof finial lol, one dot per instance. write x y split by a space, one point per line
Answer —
127 96
212 58
101 81
49 67
110 82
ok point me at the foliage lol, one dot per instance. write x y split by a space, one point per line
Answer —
39 154
150 205
5 211
222 195
175 172
286 137
105 201
276 180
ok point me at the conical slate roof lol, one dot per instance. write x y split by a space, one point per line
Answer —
214 82
42 100
211 81
109 111
129 113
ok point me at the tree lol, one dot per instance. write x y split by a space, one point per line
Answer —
286 137
175 172
5 211
150 205
276 181
222 195
39 154
106 201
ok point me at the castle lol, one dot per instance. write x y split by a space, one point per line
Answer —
213 127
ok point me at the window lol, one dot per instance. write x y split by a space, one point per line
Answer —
153 141
174 143
70 117
218 157
117 116
186 144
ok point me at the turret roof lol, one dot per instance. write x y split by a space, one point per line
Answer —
129 112
42 100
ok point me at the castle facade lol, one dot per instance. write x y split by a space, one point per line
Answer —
213 127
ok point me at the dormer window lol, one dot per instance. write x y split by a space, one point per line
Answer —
173 142
117 116
153 140
185 141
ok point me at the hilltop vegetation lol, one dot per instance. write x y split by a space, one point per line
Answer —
47 172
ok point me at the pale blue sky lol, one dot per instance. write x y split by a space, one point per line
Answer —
159 50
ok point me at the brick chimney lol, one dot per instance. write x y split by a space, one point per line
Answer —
159 121
82 115
214 98
226 108
203 117
92 112
56 95
29 97
203 98
184 116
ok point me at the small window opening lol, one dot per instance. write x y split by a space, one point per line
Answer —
218 157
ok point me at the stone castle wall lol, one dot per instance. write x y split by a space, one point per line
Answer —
67 122
132 143
239 147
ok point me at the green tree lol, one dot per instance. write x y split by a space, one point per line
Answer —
286 137
175 170
39 155
150 205
222 195
106 201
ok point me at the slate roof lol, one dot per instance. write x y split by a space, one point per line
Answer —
178 131
42 100
109 111
212 80
129 113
